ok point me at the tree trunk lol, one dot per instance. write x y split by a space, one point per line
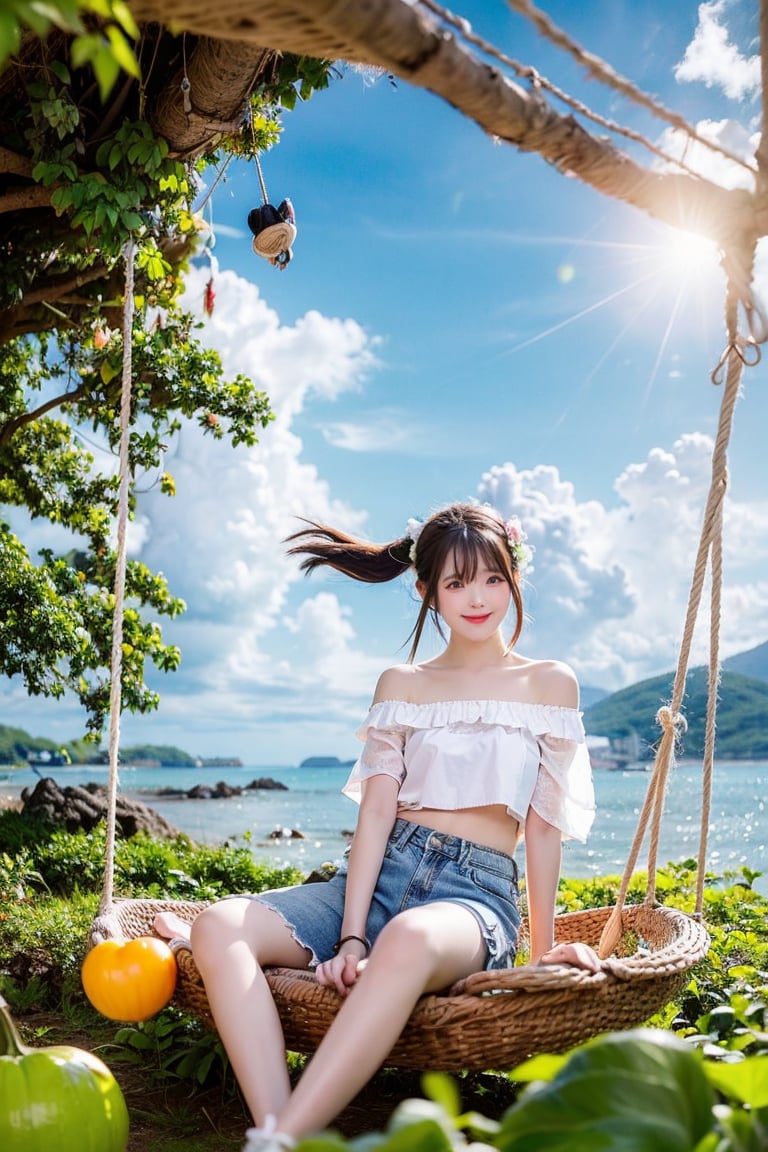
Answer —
194 110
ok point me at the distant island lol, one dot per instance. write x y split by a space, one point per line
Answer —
325 762
18 748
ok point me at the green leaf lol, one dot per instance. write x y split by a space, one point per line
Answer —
122 14
131 220
442 1089
746 1081
419 1125
63 13
60 70
10 35
83 49
108 371
639 1091
542 1067
107 71
123 53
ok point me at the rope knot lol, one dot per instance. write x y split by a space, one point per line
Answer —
670 721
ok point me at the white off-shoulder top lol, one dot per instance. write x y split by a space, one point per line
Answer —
471 753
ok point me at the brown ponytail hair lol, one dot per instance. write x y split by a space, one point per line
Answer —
468 533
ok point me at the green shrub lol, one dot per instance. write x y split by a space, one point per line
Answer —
66 862
18 831
42 943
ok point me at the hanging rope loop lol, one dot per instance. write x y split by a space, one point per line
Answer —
748 351
738 263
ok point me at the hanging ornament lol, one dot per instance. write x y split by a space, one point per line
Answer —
274 229
209 297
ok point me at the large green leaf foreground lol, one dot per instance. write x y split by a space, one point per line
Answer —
640 1091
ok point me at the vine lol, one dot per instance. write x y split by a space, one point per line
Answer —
81 177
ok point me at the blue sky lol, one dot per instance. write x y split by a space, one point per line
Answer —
459 320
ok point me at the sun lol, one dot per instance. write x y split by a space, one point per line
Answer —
687 255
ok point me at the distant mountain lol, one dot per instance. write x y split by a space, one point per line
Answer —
742 714
752 663
590 695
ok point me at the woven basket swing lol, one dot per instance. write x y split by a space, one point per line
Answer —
496 1019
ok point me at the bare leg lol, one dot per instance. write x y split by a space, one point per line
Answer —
231 942
422 950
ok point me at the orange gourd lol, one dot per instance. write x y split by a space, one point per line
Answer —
129 980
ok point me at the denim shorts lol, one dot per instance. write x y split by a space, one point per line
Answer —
420 866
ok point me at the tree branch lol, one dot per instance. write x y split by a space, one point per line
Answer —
35 196
12 162
221 76
56 289
394 35
26 316
11 427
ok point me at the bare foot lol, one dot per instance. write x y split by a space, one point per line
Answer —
171 926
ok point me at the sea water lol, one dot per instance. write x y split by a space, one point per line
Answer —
313 805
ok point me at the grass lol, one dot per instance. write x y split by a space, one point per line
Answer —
179 1089
173 1116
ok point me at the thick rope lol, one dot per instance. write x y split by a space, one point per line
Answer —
670 717
603 72
116 665
535 78
262 185
713 686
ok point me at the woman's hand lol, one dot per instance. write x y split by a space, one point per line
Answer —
341 972
579 955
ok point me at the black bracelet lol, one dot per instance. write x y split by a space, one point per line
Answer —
360 939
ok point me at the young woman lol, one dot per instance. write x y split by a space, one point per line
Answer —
463 755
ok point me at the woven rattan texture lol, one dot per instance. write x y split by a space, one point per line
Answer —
491 1020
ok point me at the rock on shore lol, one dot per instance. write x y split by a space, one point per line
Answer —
83 807
222 790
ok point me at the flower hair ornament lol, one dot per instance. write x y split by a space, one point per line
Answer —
520 551
412 532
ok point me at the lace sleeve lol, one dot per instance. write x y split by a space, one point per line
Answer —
381 754
564 794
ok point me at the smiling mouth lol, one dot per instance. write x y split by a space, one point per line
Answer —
478 619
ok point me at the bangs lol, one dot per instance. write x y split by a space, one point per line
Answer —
473 549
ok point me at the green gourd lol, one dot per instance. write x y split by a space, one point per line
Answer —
56 1098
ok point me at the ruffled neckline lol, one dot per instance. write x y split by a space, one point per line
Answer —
540 719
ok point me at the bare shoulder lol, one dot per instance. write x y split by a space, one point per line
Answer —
396 683
555 683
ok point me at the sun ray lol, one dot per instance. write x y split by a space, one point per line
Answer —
605 300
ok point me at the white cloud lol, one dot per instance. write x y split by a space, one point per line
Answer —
611 585
333 661
271 676
712 58
714 166
220 540
381 431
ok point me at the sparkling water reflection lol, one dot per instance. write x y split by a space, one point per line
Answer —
314 806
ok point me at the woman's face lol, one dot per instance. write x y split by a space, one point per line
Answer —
473 608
